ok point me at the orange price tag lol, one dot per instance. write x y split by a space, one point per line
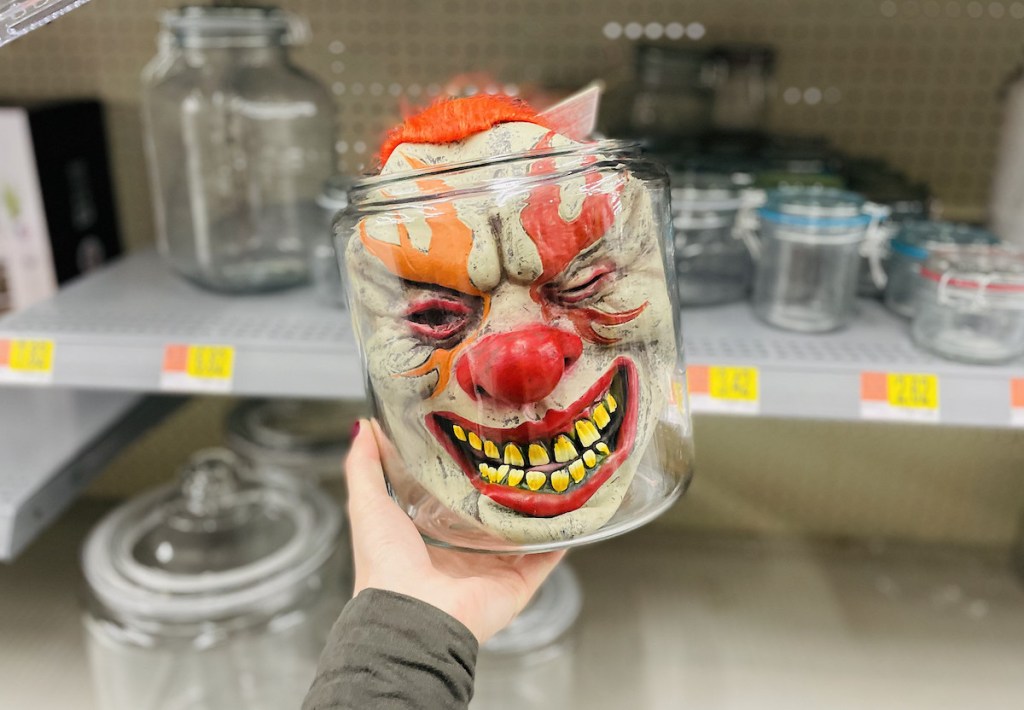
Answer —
26 361
198 368
1017 402
724 389
899 396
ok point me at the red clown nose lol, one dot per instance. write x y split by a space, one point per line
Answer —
518 367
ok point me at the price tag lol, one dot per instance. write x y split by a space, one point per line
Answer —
899 396
725 390
1017 402
26 361
198 368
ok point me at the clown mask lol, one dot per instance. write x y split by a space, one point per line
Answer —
509 292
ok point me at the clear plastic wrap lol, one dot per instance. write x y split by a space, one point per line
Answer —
19 17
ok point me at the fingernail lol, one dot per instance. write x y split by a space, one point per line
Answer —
355 429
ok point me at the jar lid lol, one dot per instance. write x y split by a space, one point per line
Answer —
231 24
290 431
914 238
978 274
821 207
221 542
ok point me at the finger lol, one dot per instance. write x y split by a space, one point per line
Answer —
536 568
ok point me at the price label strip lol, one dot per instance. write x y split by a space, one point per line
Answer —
198 368
724 390
26 362
899 396
1017 402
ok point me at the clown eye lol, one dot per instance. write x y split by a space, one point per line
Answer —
437 318
592 284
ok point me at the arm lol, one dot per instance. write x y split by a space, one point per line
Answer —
390 650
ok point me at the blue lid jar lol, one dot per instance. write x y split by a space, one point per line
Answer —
915 239
828 212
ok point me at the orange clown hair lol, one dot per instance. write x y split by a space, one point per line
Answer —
450 120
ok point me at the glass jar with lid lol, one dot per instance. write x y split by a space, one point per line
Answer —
215 592
970 303
712 264
909 249
809 246
239 141
526 364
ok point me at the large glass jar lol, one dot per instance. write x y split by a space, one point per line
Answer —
909 249
324 262
519 332
806 276
712 264
970 304
742 77
216 592
671 98
239 141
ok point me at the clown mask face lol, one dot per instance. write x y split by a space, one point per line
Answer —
518 336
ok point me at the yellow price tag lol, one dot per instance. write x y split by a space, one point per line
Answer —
210 362
913 390
30 356
733 383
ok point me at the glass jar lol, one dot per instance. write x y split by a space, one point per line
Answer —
513 669
806 274
324 263
239 141
712 264
909 249
215 592
742 78
534 390
970 304
672 98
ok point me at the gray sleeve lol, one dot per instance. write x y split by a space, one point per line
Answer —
391 651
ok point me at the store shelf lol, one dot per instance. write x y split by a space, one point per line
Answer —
111 331
820 376
52 443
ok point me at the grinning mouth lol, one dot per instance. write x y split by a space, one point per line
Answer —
552 466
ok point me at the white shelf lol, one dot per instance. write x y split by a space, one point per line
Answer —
110 331
52 443
819 376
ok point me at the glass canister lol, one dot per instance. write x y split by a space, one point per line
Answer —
970 304
806 274
514 670
671 98
517 320
909 249
712 264
239 141
215 592
324 264
742 77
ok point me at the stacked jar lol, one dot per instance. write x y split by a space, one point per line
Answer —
712 264
970 304
810 240
910 248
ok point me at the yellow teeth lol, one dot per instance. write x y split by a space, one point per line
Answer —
538 457
484 470
601 417
515 476
587 432
564 450
513 455
610 401
577 470
500 473
602 448
459 432
535 479
490 450
589 458
474 441
560 480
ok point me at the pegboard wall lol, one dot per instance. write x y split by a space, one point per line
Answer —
912 81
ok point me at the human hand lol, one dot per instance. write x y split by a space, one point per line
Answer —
484 592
